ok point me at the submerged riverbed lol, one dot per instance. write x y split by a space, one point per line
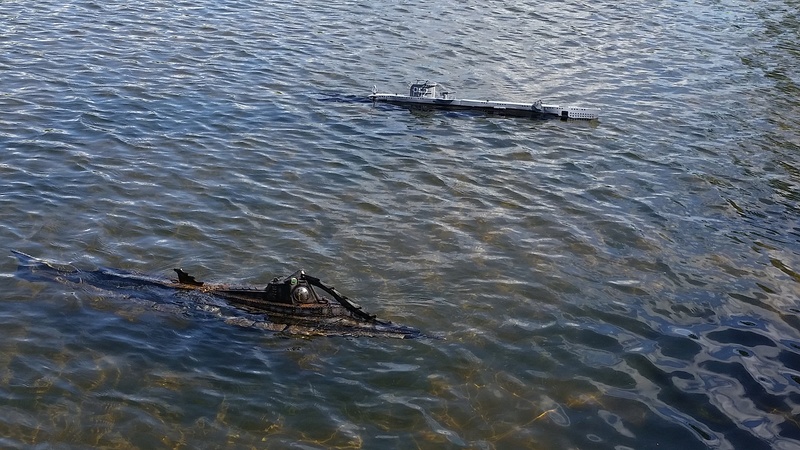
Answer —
631 282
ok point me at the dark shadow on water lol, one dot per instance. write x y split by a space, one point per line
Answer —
334 97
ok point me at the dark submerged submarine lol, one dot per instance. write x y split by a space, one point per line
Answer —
295 304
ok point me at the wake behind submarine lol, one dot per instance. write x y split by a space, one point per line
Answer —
297 304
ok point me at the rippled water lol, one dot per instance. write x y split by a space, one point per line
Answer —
626 283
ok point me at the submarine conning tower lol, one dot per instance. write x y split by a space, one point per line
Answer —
428 89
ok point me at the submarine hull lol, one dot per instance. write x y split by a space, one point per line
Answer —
238 306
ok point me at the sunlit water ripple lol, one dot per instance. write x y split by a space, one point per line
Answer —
626 283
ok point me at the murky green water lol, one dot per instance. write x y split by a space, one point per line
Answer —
629 283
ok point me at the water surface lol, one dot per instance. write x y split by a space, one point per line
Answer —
626 283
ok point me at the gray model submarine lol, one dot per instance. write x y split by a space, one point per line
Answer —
295 304
429 94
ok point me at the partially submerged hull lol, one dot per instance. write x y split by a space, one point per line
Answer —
491 107
426 94
297 304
